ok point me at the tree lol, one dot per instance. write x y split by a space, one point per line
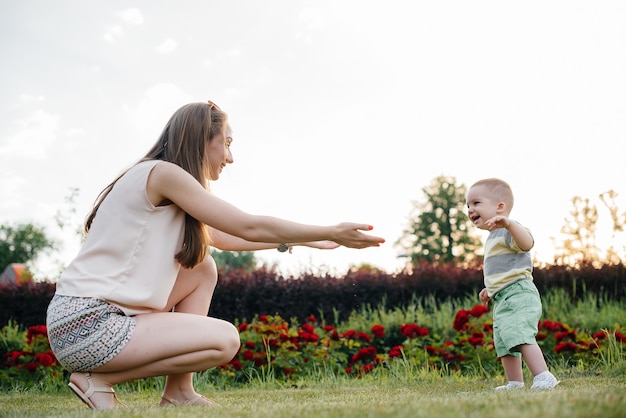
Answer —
232 260
439 231
579 243
619 223
22 244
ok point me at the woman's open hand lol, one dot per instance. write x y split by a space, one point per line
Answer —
350 236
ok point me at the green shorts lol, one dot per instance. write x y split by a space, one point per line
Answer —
516 313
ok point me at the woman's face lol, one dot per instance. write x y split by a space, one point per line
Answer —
218 152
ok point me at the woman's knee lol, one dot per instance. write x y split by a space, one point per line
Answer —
231 341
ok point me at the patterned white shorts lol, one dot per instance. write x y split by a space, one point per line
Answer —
86 333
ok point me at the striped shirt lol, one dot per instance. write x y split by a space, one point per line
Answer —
505 262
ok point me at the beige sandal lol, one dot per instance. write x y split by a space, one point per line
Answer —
197 400
91 389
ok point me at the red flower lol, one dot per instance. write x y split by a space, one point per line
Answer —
15 355
307 328
308 337
600 335
541 336
31 367
378 331
35 331
247 355
274 342
312 319
566 346
561 335
236 364
332 331
243 327
413 331
553 326
249 344
475 341
620 337
349 334
396 351
460 320
368 368
365 353
362 336
260 359
45 359
478 311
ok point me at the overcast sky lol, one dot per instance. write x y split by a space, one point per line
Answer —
341 110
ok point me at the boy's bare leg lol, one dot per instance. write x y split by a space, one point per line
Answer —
512 368
533 356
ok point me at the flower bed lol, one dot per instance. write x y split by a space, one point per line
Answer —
270 342
272 345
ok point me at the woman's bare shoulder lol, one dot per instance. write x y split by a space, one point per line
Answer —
167 180
167 169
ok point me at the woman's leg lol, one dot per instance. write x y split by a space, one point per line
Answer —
175 344
187 298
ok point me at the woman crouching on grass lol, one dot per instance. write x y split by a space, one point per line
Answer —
134 302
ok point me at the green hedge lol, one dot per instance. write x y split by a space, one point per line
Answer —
242 295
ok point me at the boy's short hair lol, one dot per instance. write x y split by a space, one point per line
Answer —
500 190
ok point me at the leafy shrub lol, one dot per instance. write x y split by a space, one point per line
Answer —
25 304
33 363
241 295
11 338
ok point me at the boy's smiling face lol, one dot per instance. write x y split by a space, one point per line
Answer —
481 206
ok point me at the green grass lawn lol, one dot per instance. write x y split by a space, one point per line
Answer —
452 396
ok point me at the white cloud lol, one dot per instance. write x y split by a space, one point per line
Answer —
11 190
28 98
73 138
167 46
313 18
113 33
34 135
132 16
155 108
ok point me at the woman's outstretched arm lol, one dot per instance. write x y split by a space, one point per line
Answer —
170 182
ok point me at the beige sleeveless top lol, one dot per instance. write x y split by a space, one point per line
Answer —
127 258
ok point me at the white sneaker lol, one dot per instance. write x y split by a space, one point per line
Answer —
511 386
545 380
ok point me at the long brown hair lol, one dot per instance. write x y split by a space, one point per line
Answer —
183 143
